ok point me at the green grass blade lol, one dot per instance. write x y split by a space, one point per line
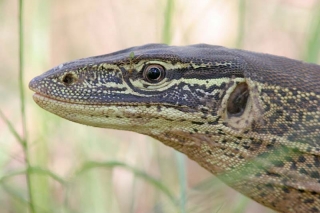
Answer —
241 203
140 174
168 13
11 128
313 45
13 174
22 104
241 23
33 170
182 181
41 171
21 68
29 171
16 195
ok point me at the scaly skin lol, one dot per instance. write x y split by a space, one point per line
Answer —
251 119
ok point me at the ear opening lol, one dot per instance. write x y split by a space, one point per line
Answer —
238 100
240 105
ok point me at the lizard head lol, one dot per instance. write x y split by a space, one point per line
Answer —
139 88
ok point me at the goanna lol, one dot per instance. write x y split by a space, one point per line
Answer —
251 119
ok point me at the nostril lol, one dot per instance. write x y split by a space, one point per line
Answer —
69 79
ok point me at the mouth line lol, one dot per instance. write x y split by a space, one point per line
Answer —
37 96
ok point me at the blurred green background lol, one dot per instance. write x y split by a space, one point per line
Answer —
75 168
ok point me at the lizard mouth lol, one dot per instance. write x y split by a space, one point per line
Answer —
39 98
42 100
117 115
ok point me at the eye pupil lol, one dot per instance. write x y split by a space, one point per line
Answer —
154 73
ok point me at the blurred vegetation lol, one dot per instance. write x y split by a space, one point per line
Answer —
49 164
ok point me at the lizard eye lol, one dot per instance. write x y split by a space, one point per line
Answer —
154 73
